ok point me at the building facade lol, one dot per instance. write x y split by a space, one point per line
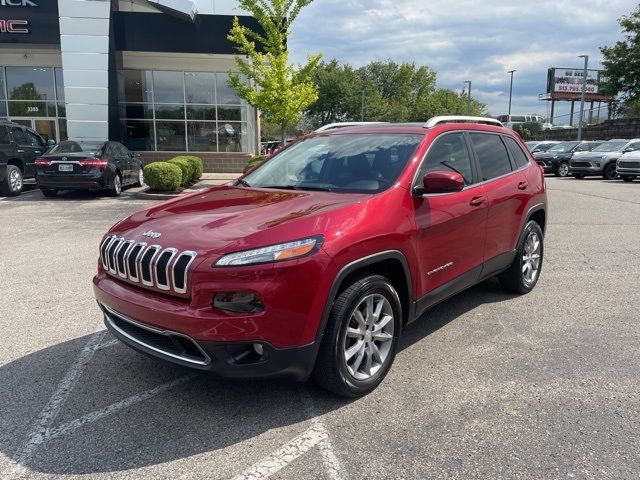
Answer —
149 73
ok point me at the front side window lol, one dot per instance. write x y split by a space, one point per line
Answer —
361 163
563 147
519 157
492 155
34 140
610 147
448 152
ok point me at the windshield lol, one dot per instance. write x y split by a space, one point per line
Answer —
563 147
544 147
75 147
610 147
338 163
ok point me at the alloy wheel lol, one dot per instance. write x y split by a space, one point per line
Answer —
563 169
531 258
15 180
117 185
141 177
369 337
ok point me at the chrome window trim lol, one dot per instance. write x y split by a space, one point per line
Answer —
108 312
193 256
135 279
166 286
124 258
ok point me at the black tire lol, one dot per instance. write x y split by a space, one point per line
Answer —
628 178
49 192
13 182
116 186
562 170
140 181
514 279
578 176
331 370
609 172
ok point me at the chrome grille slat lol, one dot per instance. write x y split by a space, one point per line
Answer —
150 265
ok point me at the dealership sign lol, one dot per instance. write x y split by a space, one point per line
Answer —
570 80
29 21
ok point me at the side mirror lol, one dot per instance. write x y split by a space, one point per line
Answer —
51 142
627 150
440 181
536 150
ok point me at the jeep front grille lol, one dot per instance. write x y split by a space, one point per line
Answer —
150 265
580 164
627 164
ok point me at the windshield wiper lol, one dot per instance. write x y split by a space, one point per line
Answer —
298 187
243 183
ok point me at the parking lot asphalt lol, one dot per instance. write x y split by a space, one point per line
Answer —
486 385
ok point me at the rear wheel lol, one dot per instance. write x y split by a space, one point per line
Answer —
11 186
524 272
361 337
116 186
562 169
609 172
628 178
49 192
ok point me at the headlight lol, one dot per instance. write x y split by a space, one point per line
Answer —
273 253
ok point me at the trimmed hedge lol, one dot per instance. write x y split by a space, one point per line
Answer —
198 166
163 176
185 167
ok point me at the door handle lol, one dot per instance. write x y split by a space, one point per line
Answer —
477 201
523 185
20 151
38 152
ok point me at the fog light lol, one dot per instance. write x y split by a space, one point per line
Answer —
238 302
258 348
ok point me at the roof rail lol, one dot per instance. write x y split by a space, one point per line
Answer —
432 122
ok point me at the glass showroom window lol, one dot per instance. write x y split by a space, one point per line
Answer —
181 111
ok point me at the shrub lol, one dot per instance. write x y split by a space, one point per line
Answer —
163 176
197 165
186 168
254 162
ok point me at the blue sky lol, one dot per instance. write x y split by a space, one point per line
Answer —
477 40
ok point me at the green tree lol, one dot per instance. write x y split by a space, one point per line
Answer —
622 65
267 81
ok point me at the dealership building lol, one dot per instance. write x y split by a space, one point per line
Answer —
151 74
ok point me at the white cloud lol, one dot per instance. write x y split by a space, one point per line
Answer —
466 39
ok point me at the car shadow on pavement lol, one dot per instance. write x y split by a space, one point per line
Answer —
128 411
34 195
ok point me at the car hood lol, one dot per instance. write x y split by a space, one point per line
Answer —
226 219
596 155
551 156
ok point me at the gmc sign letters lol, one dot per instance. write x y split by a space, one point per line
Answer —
14 26
17 3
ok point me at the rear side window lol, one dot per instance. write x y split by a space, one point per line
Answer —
519 157
448 152
19 136
492 155
4 136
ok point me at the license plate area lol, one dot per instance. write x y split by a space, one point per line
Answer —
65 167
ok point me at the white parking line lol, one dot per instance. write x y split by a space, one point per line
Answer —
108 344
53 406
285 454
72 426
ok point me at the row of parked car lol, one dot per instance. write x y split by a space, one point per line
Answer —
610 159
106 166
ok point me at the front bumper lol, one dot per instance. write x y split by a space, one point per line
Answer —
627 171
583 170
547 166
228 359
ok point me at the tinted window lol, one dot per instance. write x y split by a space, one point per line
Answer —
448 152
19 137
517 154
633 146
4 136
33 139
610 147
492 155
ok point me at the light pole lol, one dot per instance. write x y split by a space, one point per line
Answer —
584 94
468 97
510 92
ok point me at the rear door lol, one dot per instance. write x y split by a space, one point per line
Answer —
506 190
28 147
451 227
126 160
113 156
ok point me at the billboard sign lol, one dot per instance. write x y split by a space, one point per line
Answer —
569 80
29 21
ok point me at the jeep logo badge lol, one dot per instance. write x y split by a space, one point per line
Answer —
151 234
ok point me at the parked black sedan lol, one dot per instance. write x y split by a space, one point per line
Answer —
88 166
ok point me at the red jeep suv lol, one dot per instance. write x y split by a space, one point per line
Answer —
312 264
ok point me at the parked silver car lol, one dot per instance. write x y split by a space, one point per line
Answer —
601 161
628 166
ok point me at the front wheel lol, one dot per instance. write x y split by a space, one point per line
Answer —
524 272
562 169
140 181
609 172
361 337
116 187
